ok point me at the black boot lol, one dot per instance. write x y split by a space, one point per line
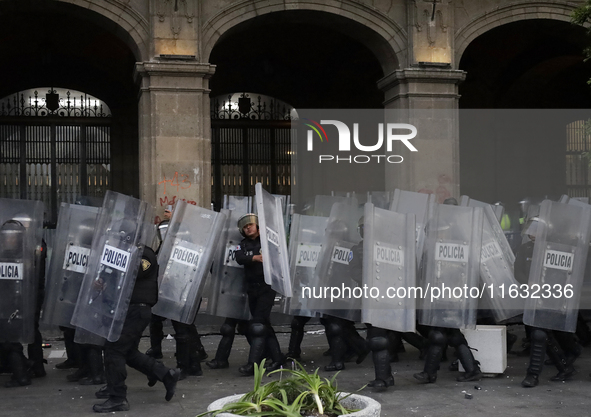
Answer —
169 381
111 405
356 342
379 343
183 356
432 360
222 354
338 347
197 350
17 363
258 342
556 354
383 371
80 373
437 340
471 366
274 350
568 343
294 350
96 366
72 350
537 347
36 360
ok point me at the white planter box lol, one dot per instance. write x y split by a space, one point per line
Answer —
368 407
491 342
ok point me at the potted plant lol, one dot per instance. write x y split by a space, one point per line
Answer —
301 394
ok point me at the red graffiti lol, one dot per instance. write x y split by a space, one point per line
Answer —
174 182
165 201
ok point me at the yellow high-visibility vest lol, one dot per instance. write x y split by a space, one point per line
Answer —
505 222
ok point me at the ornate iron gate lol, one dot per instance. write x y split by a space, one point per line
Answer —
578 175
54 149
251 142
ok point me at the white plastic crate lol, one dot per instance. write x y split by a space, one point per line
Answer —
491 345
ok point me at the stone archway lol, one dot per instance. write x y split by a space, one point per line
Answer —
384 37
525 10
124 21
64 45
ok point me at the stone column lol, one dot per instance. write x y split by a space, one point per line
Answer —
174 133
426 97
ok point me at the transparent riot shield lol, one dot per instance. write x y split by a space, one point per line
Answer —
84 337
451 267
419 204
558 266
338 273
585 300
496 269
389 269
227 291
21 230
323 203
185 260
498 210
273 241
306 236
380 199
241 204
68 262
115 257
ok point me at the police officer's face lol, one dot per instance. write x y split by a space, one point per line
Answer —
167 214
251 230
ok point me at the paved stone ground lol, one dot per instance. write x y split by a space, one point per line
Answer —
53 396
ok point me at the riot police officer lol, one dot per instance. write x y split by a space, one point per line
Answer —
439 338
543 341
260 298
125 350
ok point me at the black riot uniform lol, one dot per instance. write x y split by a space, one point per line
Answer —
561 347
379 340
260 301
125 350
228 332
438 339
157 322
11 353
343 338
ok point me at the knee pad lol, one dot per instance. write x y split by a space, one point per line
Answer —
257 330
437 337
538 335
227 330
378 343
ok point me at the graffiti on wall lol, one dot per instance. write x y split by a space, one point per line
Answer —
170 188
441 191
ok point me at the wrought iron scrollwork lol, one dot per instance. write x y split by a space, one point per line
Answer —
265 108
52 105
